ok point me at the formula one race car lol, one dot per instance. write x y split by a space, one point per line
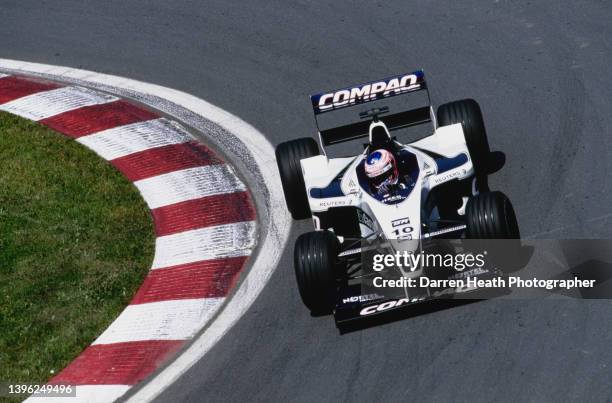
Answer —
433 186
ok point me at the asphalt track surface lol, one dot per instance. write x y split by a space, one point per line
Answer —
540 71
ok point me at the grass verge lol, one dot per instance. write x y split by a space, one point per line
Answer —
76 240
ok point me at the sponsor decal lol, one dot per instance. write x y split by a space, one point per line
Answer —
427 168
448 176
385 306
469 273
393 198
365 219
402 228
349 186
361 298
334 203
400 221
367 92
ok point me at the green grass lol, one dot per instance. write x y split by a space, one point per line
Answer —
76 240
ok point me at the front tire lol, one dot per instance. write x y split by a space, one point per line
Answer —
490 215
316 270
288 157
468 113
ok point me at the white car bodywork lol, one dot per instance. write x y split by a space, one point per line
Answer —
395 221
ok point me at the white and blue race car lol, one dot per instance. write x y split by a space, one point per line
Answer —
400 193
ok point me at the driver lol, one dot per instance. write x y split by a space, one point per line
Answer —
381 170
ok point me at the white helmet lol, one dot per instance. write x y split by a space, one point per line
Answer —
381 168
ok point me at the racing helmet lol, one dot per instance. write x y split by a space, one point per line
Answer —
381 168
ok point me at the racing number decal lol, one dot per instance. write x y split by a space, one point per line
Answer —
402 230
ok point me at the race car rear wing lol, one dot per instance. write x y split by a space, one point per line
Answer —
361 129
369 92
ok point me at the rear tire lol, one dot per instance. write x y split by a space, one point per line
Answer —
288 156
468 113
490 215
316 270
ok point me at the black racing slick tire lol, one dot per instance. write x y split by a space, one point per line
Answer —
314 259
490 215
468 113
288 156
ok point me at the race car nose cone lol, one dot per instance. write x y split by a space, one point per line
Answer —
404 245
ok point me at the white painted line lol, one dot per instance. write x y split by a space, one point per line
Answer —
4 75
188 184
163 320
124 140
50 103
87 394
260 151
227 240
